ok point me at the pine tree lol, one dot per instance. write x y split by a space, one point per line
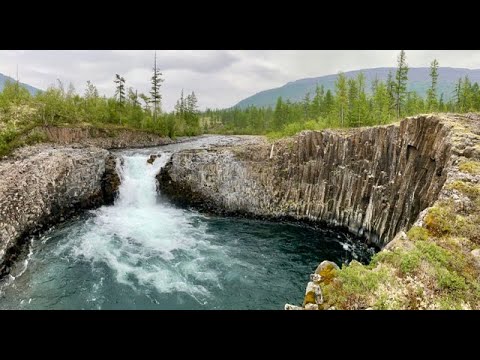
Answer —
155 96
317 102
352 102
278 115
362 103
192 104
341 94
432 92
91 91
466 95
381 104
441 104
120 90
133 97
180 106
146 100
391 92
328 104
401 78
375 83
458 95
306 106
191 112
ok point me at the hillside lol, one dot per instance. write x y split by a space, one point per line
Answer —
4 78
419 81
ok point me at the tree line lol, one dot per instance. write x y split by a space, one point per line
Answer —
348 105
20 111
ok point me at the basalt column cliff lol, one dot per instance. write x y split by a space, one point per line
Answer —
373 181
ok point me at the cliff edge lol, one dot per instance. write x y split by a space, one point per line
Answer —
377 182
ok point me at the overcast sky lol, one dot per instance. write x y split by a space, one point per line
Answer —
220 78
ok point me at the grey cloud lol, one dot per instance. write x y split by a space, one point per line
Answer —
220 78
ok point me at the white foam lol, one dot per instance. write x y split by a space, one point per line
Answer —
145 242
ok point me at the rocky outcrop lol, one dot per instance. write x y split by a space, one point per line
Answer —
104 138
42 185
373 181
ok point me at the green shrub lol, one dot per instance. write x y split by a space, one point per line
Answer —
409 262
417 233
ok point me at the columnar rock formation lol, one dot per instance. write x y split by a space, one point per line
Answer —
43 185
373 181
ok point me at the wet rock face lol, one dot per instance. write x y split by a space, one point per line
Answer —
374 181
42 185
110 180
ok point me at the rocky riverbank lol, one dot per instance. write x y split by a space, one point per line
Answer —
105 138
375 181
44 184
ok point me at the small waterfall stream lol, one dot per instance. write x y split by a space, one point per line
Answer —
143 253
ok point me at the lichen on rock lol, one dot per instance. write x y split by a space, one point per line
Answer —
377 182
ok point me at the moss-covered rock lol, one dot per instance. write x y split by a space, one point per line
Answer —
327 270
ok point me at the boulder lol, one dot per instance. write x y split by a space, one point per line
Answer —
326 270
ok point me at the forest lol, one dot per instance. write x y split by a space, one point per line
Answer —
349 105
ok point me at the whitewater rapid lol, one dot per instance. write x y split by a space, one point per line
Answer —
142 239
144 253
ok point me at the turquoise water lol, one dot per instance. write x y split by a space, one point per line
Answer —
144 253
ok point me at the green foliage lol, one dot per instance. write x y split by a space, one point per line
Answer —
353 286
469 189
417 233
450 280
348 106
155 95
19 112
401 78
432 92
440 220
409 262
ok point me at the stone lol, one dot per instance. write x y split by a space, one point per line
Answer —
476 254
376 182
45 186
151 159
367 180
292 307
313 294
311 307
316 278
326 270
400 237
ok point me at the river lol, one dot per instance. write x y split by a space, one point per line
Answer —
144 253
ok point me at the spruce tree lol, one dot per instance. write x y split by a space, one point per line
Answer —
341 94
432 91
401 78
91 91
155 96
120 90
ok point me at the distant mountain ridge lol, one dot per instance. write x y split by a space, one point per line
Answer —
4 78
418 80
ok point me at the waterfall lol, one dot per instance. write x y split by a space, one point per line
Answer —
138 187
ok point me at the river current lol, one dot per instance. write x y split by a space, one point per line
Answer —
145 253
